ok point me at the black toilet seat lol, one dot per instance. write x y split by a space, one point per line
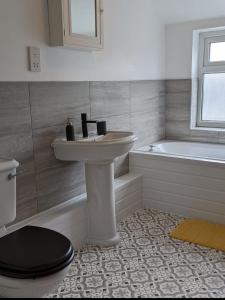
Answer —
34 252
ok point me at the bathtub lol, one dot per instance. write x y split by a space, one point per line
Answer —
183 178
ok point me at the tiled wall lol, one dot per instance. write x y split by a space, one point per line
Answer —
33 114
178 115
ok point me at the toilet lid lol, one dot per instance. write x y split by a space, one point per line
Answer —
33 252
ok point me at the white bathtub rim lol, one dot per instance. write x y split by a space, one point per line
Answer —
185 158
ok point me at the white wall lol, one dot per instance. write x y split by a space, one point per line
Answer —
179 46
177 11
134 44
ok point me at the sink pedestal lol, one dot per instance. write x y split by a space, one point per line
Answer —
102 229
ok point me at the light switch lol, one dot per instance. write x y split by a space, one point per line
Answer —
35 59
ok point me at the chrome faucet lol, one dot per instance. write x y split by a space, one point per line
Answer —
101 126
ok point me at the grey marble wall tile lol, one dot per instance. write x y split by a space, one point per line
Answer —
57 185
26 191
26 209
52 103
178 86
178 114
17 146
205 136
43 151
153 105
110 89
179 129
180 100
121 165
178 107
14 94
26 187
10 116
16 142
145 96
114 123
148 114
147 127
147 89
118 123
15 108
56 181
109 99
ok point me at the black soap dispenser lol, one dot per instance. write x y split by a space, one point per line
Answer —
70 135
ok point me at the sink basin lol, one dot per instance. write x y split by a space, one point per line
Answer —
106 147
98 153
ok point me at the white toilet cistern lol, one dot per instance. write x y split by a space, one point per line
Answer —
8 192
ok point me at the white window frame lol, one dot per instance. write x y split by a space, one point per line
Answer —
202 65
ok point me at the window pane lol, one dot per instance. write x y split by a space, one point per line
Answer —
214 97
217 52
83 15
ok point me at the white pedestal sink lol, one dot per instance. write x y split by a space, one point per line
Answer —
98 153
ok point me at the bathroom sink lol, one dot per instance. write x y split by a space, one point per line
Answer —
98 153
106 147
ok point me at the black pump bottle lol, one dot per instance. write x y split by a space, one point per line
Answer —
70 135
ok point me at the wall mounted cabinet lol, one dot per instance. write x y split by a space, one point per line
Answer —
76 24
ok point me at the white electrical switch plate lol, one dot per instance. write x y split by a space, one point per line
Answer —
35 59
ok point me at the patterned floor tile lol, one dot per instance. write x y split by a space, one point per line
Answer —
146 264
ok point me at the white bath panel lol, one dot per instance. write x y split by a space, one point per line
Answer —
184 189
181 178
197 167
129 204
188 187
185 201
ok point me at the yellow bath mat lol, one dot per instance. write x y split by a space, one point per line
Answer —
201 233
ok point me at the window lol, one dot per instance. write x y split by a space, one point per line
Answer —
210 110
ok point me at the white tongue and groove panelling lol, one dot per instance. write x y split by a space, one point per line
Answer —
128 195
185 187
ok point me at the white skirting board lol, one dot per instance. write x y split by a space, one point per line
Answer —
70 218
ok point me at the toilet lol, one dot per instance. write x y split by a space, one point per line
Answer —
33 260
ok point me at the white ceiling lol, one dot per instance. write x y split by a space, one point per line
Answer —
176 11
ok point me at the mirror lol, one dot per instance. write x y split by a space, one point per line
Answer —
83 17
76 24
